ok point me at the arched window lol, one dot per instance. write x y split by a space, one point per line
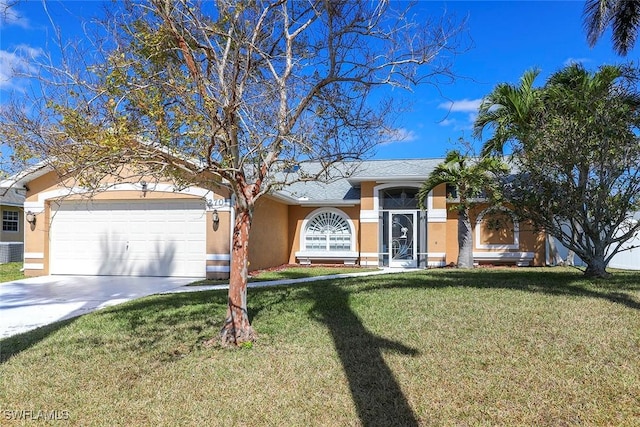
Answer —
327 230
497 229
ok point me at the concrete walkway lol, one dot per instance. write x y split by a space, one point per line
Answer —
28 304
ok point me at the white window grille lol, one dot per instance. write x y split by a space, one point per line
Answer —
327 231
10 220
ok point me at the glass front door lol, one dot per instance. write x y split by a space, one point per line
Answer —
402 233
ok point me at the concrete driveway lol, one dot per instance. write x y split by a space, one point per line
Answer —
30 303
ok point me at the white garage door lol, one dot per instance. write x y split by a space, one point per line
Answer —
136 238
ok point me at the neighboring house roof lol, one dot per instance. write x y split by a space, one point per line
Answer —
21 179
343 184
11 197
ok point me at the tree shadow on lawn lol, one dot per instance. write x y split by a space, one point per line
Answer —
375 391
148 322
16 344
617 289
190 318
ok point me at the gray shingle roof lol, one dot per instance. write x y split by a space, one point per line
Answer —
344 186
11 197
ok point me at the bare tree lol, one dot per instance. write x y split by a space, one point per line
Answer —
245 91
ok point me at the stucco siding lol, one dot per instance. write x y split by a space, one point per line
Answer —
366 195
218 245
268 239
439 197
436 243
452 237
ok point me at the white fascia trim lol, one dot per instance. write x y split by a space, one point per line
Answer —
34 255
516 233
326 255
370 216
387 179
436 215
498 247
436 254
218 257
53 194
35 207
33 266
218 269
207 195
503 255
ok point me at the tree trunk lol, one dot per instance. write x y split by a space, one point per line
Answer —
596 264
596 268
237 328
465 240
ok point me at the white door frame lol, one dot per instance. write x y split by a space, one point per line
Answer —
411 260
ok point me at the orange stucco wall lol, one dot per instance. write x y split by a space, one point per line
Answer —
530 240
439 197
437 237
452 237
366 195
276 229
498 229
268 240
369 235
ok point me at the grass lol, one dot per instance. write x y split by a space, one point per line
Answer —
505 347
285 272
11 271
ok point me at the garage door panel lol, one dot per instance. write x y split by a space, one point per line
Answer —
145 238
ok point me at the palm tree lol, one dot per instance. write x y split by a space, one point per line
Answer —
509 110
550 129
473 178
622 15
576 86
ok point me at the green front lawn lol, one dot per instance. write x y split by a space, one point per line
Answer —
11 271
529 346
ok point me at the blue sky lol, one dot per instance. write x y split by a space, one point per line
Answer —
508 38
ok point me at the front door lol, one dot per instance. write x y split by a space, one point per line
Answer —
402 233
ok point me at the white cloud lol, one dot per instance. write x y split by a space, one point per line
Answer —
400 135
456 121
9 15
20 61
462 105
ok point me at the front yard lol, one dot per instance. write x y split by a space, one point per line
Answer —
530 346
11 271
